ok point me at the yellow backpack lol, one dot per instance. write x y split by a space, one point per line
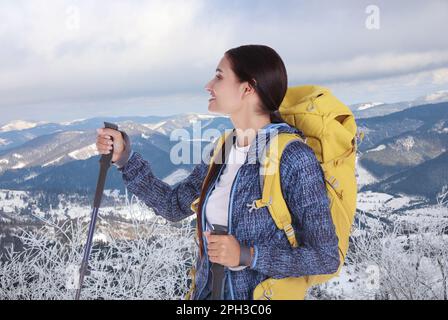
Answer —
331 131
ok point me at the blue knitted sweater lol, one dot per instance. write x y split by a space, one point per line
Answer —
303 186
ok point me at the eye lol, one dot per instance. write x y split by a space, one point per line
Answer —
218 77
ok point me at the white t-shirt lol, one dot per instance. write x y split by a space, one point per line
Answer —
218 202
216 210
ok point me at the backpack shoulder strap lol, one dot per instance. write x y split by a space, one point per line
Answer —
272 196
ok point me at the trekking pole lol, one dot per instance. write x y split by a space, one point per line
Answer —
217 269
105 161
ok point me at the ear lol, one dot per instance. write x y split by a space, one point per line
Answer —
246 88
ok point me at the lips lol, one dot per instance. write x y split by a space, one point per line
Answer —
212 96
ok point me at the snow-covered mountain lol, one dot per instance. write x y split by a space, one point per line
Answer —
365 106
16 135
376 109
393 144
49 161
18 125
68 123
46 150
179 122
406 151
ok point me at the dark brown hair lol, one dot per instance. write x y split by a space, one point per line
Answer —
265 71
263 68
214 168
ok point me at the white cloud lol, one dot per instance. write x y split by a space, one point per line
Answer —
440 76
98 53
121 48
387 89
370 66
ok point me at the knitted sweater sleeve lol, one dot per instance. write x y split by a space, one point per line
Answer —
172 203
305 193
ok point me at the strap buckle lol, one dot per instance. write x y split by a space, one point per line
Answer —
255 206
289 230
252 206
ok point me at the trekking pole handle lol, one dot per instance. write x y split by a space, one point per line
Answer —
107 158
105 162
217 270
219 229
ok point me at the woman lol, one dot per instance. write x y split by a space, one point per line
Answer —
249 86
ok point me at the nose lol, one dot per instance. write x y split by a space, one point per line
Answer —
208 86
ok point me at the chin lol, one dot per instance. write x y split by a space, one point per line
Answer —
212 109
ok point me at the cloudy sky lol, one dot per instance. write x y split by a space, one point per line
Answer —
63 60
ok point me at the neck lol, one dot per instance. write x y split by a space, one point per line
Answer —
247 127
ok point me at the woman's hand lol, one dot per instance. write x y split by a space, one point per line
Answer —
104 142
223 249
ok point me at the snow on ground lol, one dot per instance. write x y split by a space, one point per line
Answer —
18 125
349 284
101 237
32 175
67 208
405 143
52 162
193 118
135 211
380 203
365 106
379 148
430 211
115 193
19 165
439 127
425 216
84 153
15 202
402 201
67 123
72 212
363 177
402 209
4 142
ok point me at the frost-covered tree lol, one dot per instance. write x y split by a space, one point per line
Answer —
442 197
143 256
149 260
393 263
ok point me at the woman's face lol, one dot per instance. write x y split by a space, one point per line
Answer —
226 92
